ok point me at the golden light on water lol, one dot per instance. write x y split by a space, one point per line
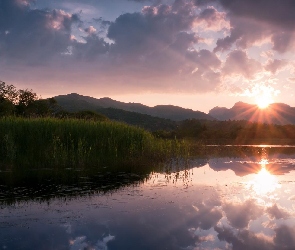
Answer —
264 183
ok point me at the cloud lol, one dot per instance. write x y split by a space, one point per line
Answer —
243 240
153 49
239 215
207 216
254 21
277 213
33 35
212 19
159 48
90 30
154 44
140 34
244 33
81 243
271 11
91 49
275 65
282 41
285 237
238 63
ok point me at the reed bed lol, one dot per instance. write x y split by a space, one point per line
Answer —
48 142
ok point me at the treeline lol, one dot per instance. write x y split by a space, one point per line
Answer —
236 132
26 103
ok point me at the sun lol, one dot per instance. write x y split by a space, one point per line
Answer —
263 182
263 101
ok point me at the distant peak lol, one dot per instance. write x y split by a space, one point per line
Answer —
105 98
241 104
280 105
219 108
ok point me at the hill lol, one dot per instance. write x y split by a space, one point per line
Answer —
142 120
276 113
75 102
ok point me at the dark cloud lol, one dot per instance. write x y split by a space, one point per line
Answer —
141 1
252 21
243 33
281 14
103 23
243 240
203 2
93 48
32 34
285 237
152 30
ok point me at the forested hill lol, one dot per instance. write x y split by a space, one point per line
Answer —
276 113
75 102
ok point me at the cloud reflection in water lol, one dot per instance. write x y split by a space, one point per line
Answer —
220 203
255 204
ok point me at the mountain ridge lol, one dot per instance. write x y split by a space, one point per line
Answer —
174 113
275 113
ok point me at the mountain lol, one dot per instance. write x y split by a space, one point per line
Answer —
276 113
75 102
141 120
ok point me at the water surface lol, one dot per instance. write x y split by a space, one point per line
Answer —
245 202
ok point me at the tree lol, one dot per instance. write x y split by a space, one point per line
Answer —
26 100
6 108
8 96
8 93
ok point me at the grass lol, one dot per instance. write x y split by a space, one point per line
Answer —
49 142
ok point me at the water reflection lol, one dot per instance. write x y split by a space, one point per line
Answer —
264 183
216 203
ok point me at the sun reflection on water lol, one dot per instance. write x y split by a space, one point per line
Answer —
264 183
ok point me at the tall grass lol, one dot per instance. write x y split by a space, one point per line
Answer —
48 142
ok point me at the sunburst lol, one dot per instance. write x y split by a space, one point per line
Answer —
264 100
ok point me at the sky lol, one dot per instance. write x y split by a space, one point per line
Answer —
196 54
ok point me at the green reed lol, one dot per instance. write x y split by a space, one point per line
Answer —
48 142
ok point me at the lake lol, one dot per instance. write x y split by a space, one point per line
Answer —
240 201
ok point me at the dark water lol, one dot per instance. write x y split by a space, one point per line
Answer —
245 202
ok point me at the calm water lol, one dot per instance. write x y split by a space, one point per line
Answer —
245 202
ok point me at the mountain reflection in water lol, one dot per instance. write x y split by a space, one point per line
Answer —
245 202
